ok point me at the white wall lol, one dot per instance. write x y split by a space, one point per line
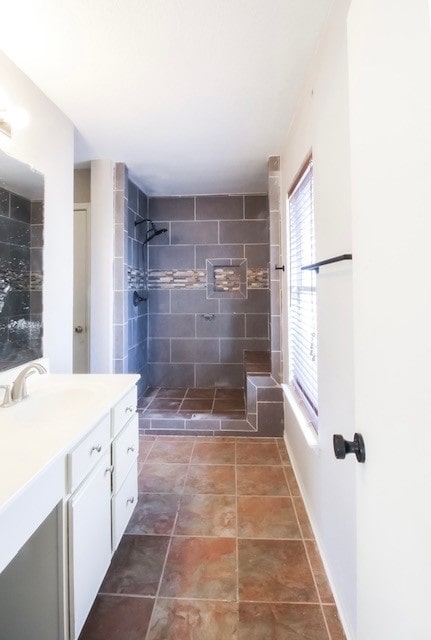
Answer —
390 111
47 144
82 186
102 266
328 485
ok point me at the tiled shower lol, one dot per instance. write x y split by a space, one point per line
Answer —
189 303
208 289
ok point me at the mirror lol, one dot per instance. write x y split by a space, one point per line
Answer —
21 262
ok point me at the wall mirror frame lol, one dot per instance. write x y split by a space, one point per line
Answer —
21 262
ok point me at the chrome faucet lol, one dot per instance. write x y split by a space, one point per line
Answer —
19 387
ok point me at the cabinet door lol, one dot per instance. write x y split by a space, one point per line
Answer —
125 452
89 542
123 504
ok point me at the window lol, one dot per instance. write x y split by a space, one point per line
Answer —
302 330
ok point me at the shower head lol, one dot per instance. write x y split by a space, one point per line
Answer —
153 233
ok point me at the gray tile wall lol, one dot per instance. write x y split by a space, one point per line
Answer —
192 340
130 275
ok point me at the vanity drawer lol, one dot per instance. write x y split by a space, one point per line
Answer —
123 504
88 453
125 451
124 410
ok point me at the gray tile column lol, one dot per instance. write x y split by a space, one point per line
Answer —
275 260
120 318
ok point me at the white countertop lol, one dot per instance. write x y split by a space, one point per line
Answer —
37 433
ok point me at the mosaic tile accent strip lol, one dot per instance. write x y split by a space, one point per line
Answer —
258 278
135 278
226 279
177 279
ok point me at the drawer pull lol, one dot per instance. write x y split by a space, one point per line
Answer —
131 449
130 500
97 448
129 409
109 469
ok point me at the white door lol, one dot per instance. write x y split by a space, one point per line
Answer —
80 290
390 120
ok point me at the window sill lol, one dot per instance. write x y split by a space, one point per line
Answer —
302 419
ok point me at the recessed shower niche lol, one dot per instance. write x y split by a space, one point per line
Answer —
21 262
227 278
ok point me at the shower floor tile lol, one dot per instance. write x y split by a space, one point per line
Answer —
167 408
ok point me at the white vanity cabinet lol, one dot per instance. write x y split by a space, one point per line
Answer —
103 485
125 465
68 486
89 520
125 479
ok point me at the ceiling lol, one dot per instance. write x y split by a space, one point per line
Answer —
193 95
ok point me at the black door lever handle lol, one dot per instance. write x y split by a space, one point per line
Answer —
343 447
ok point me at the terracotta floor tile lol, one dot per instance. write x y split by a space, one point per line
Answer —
136 566
144 449
193 620
304 522
214 453
333 621
293 485
196 494
257 453
176 438
162 478
210 479
281 622
274 571
200 568
216 439
253 440
118 618
261 480
163 451
319 572
155 513
283 451
267 517
207 515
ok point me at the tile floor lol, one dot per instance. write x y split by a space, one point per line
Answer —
165 402
219 548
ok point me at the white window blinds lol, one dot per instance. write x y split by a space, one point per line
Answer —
302 328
